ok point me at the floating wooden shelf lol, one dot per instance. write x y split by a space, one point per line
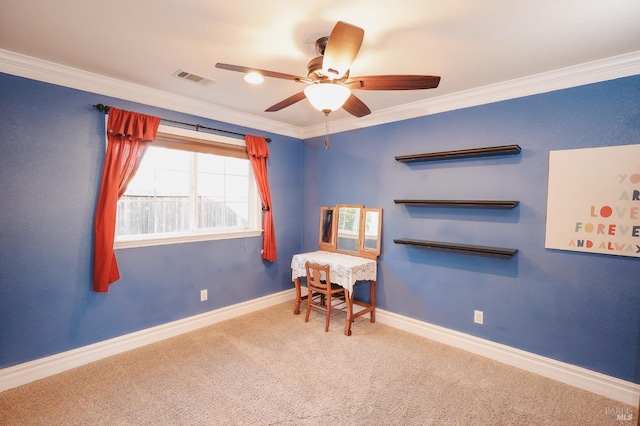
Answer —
481 204
463 153
501 253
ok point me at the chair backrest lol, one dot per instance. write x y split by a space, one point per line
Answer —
318 276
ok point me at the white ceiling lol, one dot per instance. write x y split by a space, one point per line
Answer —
468 43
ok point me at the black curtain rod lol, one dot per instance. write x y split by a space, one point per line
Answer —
105 109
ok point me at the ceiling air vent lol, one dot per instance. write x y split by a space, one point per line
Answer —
192 77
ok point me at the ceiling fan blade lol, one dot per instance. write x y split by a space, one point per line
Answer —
265 73
393 82
342 48
287 102
355 106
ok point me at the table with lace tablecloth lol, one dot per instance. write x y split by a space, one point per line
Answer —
346 271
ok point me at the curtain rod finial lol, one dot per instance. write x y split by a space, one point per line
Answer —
101 107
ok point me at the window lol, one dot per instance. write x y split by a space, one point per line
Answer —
190 186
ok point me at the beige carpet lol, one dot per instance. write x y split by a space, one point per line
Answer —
270 368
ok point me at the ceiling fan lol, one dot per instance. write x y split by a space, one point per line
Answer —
328 82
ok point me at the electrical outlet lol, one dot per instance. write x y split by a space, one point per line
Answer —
478 317
203 295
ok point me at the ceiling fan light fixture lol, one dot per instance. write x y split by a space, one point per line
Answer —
327 97
253 78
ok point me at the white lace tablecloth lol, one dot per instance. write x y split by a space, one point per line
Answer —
345 269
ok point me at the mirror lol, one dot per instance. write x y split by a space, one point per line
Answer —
326 235
348 238
350 229
372 227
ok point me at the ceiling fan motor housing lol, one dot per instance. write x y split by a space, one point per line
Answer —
321 44
316 72
314 68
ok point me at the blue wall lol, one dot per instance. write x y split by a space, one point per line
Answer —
575 307
579 308
51 153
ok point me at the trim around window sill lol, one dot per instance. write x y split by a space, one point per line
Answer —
179 239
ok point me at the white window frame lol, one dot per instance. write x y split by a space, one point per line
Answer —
255 213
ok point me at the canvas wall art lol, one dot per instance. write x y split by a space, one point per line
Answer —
593 202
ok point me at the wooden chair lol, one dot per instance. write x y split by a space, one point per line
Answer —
323 295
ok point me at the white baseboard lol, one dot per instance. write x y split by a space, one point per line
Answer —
27 372
601 384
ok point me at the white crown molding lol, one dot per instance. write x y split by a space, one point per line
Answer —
578 75
49 72
591 72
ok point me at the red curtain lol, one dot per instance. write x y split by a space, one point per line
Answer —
258 154
129 134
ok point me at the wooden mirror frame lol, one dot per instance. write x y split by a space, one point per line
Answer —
327 228
331 245
375 252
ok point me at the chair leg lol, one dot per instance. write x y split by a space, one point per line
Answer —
306 318
326 324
